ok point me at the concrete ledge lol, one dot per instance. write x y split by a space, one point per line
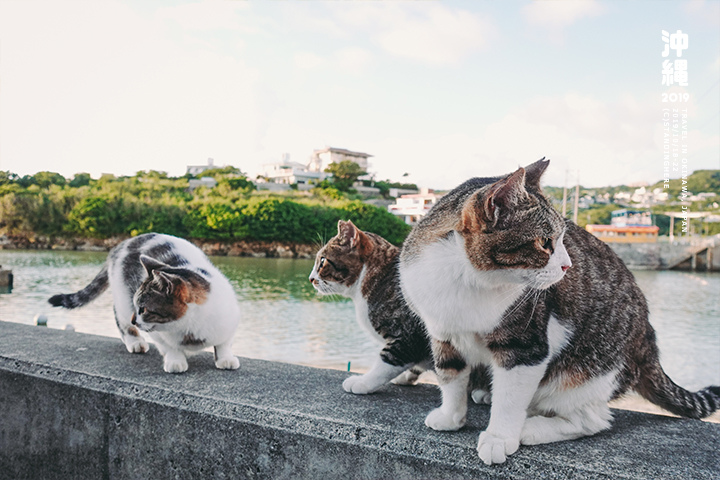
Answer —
79 406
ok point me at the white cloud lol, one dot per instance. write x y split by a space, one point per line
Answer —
560 13
554 16
206 15
114 93
436 35
430 33
354 59
608 143
308 60
703 11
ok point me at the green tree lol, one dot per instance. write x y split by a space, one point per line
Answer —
7 177
80 180
220 172
17 210
215 218
151 174
45 179
345 174
239 183
98 217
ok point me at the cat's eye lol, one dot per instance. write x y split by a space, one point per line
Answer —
141 310
324 260
547 244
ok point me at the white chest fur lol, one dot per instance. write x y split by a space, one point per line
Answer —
451 296
361 308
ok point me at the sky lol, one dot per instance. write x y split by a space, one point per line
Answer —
439 90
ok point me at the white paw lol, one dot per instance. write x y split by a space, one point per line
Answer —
358 384
408 377
227 363
175 365
481 397
495 449
439 420
137 346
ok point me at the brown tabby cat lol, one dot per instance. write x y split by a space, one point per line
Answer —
500 278
363 266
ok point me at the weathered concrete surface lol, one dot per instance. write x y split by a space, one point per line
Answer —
663 255
79 406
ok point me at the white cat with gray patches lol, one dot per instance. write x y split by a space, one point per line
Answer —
167 287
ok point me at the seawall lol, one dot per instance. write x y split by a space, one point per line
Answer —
664 255
79 406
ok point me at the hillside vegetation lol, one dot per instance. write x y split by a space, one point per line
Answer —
50 205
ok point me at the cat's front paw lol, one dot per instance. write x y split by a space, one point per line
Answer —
359 384
175 364
495 449
408 378
481 397
227 363
137 346
438 419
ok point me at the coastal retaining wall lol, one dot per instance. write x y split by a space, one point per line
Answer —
79 406
660 255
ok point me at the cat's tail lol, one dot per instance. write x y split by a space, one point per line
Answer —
84 296
658 388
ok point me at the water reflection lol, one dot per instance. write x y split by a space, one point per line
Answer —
284 320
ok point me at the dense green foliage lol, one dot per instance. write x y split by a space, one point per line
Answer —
385 185
344 174
697 182
48 204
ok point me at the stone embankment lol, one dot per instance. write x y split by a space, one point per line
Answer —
702 254
244 248
79 406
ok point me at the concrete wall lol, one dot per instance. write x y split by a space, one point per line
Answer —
660 255
80 406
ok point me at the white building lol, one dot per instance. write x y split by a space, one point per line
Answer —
196 170
208 182
322 158
290 173
411 208
622 197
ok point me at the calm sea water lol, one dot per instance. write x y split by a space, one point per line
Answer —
284 320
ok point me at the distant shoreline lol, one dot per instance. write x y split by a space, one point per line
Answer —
242 248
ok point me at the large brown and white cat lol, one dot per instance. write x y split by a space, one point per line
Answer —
363 266
167 287
500 278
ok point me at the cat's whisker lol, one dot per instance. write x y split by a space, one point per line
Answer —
532 313
527 292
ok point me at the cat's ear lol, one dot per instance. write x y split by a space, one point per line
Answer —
354 237
151 264
483 209
349 232
534 171
509 192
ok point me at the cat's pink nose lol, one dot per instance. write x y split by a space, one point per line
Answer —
565 268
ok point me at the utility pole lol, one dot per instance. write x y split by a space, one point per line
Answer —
564 206
577 197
